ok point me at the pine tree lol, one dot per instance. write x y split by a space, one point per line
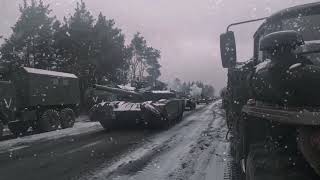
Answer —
109 51
63 46
137 63
144 64
31 42
80 38
153 67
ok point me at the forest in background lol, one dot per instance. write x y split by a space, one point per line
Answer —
91 47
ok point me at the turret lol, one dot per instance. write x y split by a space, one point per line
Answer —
118 91
137 95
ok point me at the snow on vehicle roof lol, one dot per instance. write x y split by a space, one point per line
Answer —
50 73
127 106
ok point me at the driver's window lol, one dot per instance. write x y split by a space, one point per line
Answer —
260 55
270 28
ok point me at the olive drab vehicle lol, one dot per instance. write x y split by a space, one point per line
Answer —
151 109
272 101
43 100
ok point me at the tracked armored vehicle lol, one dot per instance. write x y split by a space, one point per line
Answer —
152 109
273 99
43 100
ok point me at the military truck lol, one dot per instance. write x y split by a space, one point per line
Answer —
41 99
272 100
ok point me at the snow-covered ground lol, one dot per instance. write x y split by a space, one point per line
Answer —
80 127
194 149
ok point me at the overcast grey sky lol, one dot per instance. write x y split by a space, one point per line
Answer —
186 31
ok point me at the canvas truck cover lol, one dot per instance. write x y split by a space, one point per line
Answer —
36 87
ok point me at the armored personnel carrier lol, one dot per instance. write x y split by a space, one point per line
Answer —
43 100
272 100
152 109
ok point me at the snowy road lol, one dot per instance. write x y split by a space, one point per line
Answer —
193 149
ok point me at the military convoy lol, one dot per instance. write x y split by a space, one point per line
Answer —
43 100
140 108
272 101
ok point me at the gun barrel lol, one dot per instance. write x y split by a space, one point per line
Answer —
117 91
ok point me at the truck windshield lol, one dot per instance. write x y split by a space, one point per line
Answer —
308 26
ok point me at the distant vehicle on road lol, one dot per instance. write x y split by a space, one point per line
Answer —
203 101
191 104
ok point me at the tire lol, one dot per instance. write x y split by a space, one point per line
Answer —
49 121
180 118
67 118
165 123
162 123
252 163
310 153
1 129
19 128
262 164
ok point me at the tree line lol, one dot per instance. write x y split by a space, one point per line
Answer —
91 47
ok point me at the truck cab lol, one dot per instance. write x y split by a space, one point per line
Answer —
273 99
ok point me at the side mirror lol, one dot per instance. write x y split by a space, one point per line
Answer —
228 49
276 41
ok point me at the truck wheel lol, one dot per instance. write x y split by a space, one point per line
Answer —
308 143
262 164
254 159
180 117
19 128
159 123
166 123
67 118
49 121
1 129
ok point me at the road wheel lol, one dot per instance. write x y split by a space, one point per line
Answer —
19 128
67 118
49 121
